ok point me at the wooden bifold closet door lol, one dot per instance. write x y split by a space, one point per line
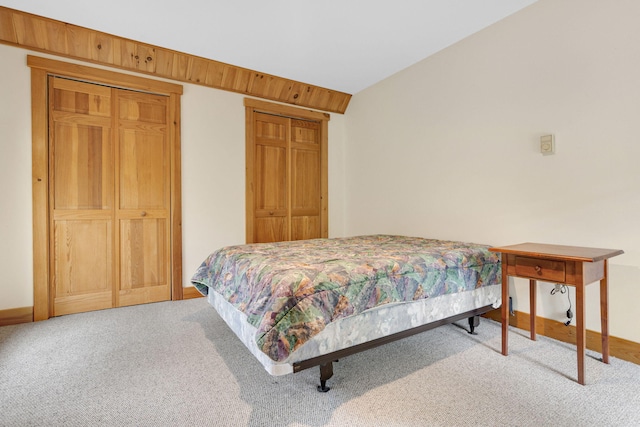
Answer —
110 196
286 173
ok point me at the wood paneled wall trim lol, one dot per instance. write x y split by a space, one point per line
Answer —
618 347
189 292
13 316
59 38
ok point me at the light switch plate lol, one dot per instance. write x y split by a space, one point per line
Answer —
547 144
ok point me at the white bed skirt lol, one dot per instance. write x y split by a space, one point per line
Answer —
369 325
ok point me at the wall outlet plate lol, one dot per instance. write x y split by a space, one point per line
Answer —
547 144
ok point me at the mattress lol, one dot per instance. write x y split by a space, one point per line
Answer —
289 293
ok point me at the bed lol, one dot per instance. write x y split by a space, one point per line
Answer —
306 303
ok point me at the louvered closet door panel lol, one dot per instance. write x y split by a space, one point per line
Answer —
305 185
81 189
143 194
271 223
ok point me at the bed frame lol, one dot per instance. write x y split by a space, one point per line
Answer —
426 314
325 361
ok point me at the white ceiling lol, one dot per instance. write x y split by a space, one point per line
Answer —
344 45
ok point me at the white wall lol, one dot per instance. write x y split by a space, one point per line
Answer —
449 148
16 241
213 175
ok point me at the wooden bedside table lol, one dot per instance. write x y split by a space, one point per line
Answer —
569 265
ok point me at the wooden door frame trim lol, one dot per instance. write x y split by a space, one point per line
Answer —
41 69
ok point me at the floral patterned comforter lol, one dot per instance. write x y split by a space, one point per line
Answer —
291 290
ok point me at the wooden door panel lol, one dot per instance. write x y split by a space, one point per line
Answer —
305 186
83 303
144 195
144 253
270 198
269 230
82 265
305 132
142 108
305 194
270 129
148 294
305 168
82 166
305 181
82 98
271 180
305 227
81 187
144 170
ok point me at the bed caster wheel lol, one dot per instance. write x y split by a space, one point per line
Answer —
474 321
326 372
322 388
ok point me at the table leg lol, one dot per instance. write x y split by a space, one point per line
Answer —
533 308
580 330
505 307
604 313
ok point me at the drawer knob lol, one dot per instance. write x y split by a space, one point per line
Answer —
538 269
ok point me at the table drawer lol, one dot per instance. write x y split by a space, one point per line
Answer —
540 269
